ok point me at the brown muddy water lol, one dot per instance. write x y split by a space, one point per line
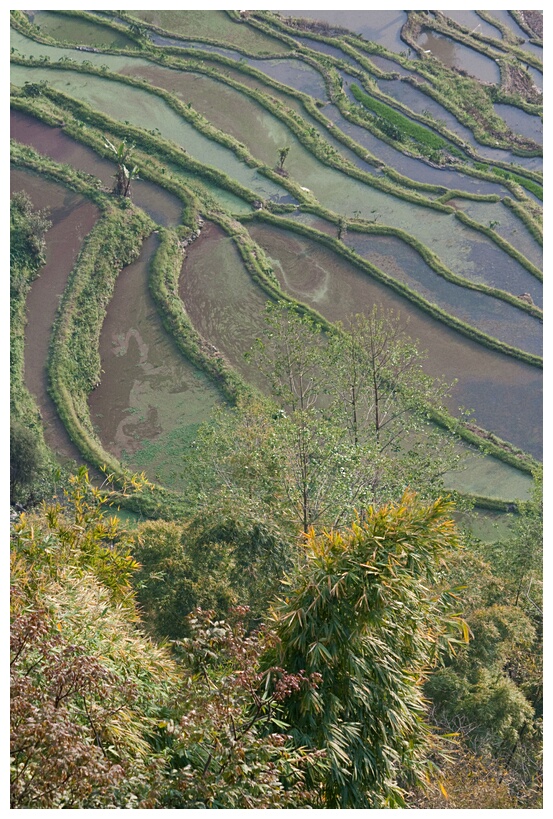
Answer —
227 308
163 207
223 302
457 55
504 394
150 400
72 218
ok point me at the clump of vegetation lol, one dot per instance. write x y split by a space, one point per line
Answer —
29 458
397 126
127 171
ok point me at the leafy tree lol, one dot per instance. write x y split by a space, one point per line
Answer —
363 612
350 425
382 396
282 154
230 750
127 171
217 559
491 692
101 716
519 558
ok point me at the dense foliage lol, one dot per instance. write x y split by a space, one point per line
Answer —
102 716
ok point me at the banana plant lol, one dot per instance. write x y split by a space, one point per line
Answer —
126 171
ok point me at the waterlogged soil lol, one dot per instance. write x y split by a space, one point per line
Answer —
72 30
509 21
489 477
410 167
486 526
141 108
457 55
384 27
453 242
491 315
507 225
295 73
224 304
72 218
150 400
163 207
520 122
210 193
473 22
31 48
262 133
504 394
214 25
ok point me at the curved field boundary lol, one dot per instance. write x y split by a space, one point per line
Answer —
154 501
163 282
163 148
73 361
398 287
289 117
306 204
260 270
156 54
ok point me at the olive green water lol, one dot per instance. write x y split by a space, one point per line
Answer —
227 307
223 302
214 25
150 399
163 207
74 30
457 245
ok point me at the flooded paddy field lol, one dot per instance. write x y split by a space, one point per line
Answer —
216 26
163 207
72 218
489 383
150 400
456 55
382 26
223 302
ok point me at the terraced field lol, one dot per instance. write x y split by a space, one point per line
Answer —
412 180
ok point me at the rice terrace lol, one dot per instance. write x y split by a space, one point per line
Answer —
276 409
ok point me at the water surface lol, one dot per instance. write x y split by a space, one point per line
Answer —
162 206
72 217
505 394
150 400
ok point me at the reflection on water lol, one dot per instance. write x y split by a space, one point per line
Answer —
144 109
457 55
72 218
384 27
78 31
472 21
150 399
492 316
223 302
163 207
493 385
